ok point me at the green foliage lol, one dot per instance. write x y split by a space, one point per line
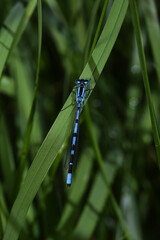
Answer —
43 49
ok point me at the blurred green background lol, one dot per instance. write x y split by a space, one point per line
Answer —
119 114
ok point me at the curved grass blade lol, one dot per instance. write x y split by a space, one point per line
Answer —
136 25
12 29
38 170
8 33
59 132
24 96
25 147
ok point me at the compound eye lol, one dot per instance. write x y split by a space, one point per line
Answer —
77 81
86 82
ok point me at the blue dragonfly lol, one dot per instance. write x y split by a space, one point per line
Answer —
82 90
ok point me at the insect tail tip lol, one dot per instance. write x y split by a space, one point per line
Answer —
68 185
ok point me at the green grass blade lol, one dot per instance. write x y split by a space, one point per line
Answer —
94 204
3 212
104 174
24 96
99 26
136 25
92 23
59 131
7 164
75 195
39 4
153 28
25 147
14 27
29 9
38 170
106 41
8 33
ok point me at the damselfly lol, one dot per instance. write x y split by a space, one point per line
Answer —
82 89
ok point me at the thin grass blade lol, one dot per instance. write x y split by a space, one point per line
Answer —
8 33
14 27
136 24
153 28
27 136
